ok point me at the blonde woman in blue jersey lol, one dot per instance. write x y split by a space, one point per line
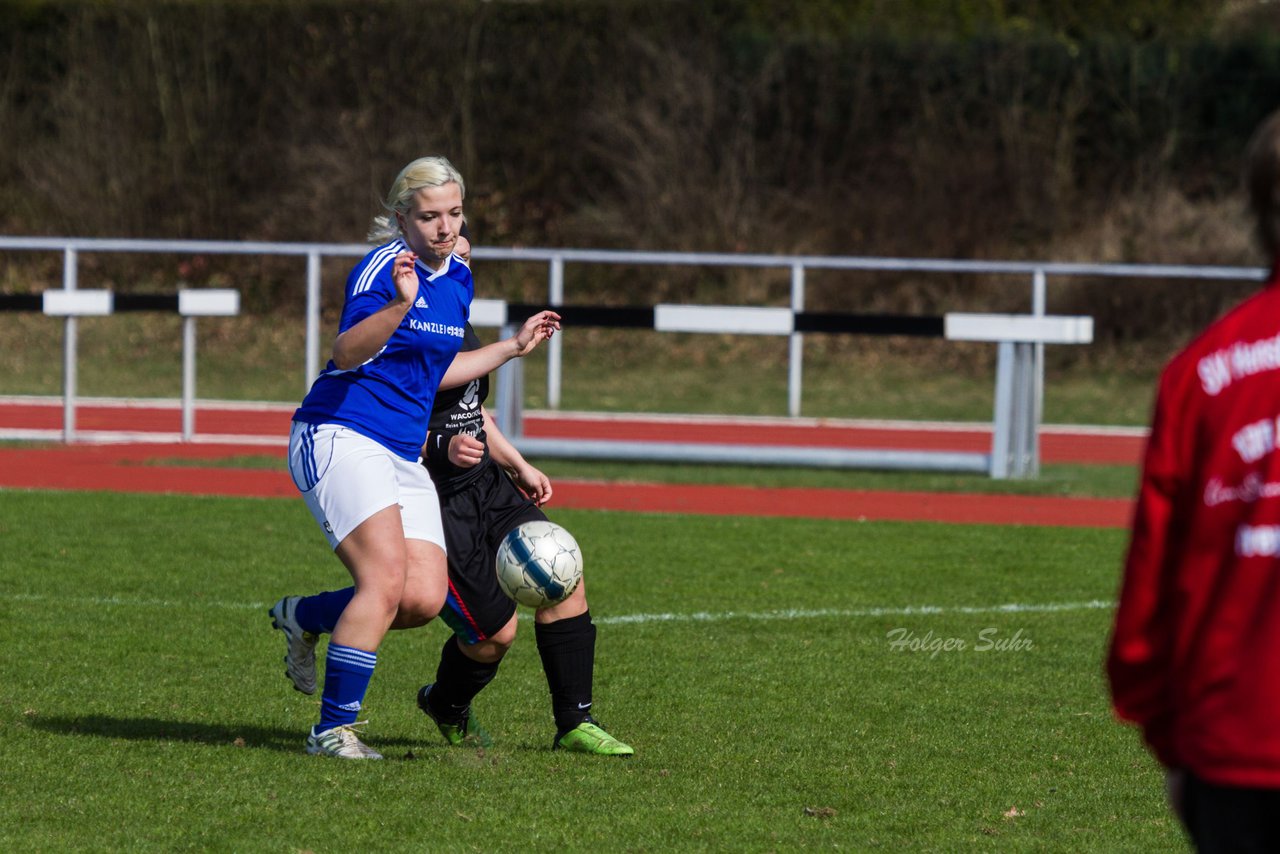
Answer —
479 504
356 440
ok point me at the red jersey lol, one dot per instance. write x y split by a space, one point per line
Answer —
1195 651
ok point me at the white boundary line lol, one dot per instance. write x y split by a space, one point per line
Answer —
637 619
853 613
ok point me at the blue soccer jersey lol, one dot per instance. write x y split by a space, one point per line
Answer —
389 397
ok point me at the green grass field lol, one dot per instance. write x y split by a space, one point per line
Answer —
749 661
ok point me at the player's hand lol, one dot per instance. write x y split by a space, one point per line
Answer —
405 277
465 451
535 330
534 483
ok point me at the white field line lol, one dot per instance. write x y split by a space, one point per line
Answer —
629 619
850 613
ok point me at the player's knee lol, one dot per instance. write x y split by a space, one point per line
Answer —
578 599
375 604
419 605
489 650
506 635
410 616
494 647
571 607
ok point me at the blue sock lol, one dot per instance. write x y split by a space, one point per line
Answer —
347 671
318 614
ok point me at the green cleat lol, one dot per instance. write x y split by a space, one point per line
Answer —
588 737
466 733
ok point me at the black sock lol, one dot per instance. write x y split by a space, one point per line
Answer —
568 651
458 680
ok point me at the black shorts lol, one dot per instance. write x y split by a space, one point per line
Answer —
1230 818
475 520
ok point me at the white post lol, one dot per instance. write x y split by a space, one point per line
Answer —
555 295
313 320
509 389
214 302
188 378
69 281
1039 305
70 303
1002 433
1024 425
1016 418
795 361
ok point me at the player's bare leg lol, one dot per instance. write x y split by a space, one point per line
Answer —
376 556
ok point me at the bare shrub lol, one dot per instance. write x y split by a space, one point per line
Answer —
1160 226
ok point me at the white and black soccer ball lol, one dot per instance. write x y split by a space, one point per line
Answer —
539 564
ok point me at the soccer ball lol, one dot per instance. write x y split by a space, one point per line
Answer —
539 564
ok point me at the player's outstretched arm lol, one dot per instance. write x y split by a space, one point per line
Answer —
473 364
534 483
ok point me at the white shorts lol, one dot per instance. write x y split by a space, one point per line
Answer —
345 478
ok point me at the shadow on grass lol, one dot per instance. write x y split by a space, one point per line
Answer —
222 735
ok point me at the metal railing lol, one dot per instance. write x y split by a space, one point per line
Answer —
1037 276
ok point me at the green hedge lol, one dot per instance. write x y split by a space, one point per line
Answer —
926 128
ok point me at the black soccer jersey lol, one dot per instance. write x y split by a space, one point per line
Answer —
458 410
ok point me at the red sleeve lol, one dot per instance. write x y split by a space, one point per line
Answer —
1138 663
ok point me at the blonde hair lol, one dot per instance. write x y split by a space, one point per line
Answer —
424 172
1262 183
